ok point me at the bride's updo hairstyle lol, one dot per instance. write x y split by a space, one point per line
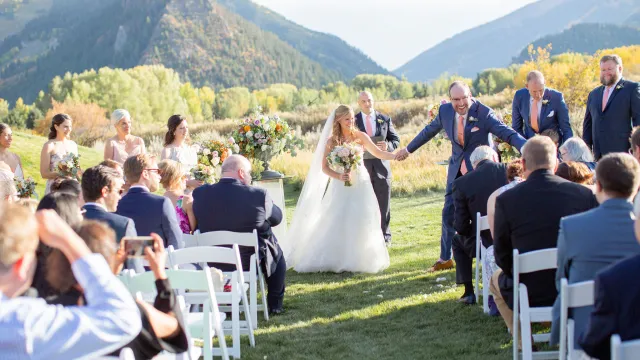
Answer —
57 120
341 111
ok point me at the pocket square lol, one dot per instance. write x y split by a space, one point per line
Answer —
475 128
551 114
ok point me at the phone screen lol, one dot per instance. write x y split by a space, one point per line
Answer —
134 246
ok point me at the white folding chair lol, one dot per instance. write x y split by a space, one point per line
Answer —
218 238
571 296
125 354
627 350
203 325
523 314
482 223
189 240
237 295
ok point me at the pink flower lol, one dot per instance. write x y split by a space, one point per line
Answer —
443 101
256 122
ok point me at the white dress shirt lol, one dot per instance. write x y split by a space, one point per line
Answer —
539 108
32 329
372 121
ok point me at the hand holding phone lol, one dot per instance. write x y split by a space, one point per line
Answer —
134 245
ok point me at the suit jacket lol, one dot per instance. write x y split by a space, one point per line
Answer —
554 114
384 128
616 309
481 123
152 214
609 130
230 205
471 193
587 243
123 226
527 218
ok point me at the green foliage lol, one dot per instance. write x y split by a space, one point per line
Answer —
492 81
4 108
233 103
19 115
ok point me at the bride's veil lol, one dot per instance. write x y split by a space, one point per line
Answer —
308 208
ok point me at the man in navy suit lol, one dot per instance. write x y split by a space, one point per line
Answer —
150 212
590 241
613 109
379 126
537 108
101 191
233 205
469 124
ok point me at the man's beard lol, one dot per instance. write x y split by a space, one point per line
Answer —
611 81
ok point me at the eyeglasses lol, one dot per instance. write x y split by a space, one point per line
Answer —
460 99
156 170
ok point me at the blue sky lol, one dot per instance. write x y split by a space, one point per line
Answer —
393 32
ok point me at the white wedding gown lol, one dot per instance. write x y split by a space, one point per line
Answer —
339 231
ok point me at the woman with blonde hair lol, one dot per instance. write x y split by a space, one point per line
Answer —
338 229
123 144
173 181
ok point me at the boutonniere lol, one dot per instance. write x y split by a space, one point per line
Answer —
472 119
619 87
380 121
545 101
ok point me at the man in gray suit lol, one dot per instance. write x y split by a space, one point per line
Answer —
590 241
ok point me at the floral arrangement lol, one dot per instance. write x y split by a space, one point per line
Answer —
507 152
211 154
345 158
204 173
69 166
263 137
26 188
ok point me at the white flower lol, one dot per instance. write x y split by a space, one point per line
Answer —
215 154
257 135
215 161
266 127
232 140
265 147
249 134
206 152
236 148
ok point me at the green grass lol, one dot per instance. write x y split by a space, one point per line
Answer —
401 313
28 147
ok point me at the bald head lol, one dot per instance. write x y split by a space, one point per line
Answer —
237 167
538 153
365 101
535 84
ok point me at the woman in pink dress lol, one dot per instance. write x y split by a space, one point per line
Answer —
123 144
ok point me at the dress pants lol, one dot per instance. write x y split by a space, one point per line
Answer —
464 251
382 189
448 231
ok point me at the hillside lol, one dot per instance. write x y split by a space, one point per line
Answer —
494 44
206 42
585 39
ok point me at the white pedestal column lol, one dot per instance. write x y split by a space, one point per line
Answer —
275 189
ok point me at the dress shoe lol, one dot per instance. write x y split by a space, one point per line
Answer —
468 300
276 312
441 265
493 308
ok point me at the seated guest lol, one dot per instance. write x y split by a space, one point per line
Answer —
101 189
68 185
173 181
527 218
160 328
470 194
617 295
576 172
245 209
150 213
117 167
31 329
591 241
553 135
575 149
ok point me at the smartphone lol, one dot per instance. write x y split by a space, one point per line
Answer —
134 245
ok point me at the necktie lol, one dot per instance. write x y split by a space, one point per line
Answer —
534 116
461 130
606 97
367 126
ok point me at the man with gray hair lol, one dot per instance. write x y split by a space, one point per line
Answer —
233 204
537 108
471 193
613 109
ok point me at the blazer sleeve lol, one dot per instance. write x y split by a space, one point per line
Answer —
563 260
273 214
517 121
393 139
502 247
170 227
587 135
563 120
635 105
461 218
595 340
426 134
503 132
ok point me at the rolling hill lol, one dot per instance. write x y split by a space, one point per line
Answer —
494 44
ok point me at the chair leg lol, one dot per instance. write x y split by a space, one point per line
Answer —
253 300
235 328
263 290
252 339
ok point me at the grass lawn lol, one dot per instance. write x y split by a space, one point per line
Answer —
401 313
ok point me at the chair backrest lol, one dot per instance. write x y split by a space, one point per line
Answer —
482 222
576 295
534 261
217 238
189 240
627 350
202 254
143 282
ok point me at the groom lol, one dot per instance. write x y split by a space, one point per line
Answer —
379 127
469 124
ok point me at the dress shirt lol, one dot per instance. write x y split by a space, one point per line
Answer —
539 108
140 187
31 329
455 124
372 121
610 89
96 205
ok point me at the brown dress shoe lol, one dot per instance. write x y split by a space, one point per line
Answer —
441 265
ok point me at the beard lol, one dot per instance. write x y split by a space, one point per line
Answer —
611 81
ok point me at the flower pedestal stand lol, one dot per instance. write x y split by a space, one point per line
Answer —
275 188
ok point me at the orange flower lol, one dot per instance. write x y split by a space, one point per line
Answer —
278 127
247 128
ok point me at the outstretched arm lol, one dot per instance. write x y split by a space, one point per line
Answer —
516 117
372 148
505 133
426 134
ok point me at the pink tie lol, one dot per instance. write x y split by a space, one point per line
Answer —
367 126
607 91
463 166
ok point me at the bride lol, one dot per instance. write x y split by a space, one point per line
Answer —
337 230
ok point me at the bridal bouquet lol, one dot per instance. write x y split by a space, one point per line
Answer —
345 158
507 152
204 173
26 188
69 166
211 154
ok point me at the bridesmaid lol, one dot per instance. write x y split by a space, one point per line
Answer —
56 148
176 147
123 144
173 182
6 156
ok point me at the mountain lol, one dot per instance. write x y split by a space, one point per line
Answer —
493 44
328 50
585 39
205 41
